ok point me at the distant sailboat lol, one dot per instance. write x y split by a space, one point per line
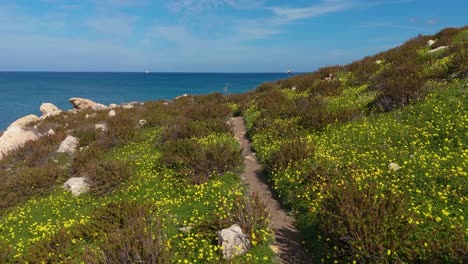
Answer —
290 71
146 71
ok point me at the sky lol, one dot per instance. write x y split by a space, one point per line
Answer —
210 35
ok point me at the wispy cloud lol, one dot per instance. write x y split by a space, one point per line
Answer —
200 5
322 8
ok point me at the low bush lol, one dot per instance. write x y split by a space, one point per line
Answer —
364 224
199 161
181 128
119 232
104 176
292 150
25 182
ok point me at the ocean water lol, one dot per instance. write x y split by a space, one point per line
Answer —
22 93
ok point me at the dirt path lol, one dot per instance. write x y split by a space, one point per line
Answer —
287 238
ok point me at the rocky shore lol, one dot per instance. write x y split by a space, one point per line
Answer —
25 128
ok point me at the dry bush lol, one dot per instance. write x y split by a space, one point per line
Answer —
119 232
364 223
398 86
25 182
134 234
291 151
104 176
180 128
198 162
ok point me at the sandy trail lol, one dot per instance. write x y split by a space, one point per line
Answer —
287 237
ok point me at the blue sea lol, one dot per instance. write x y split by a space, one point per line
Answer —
22 93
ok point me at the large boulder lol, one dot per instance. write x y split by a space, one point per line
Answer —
233 241
77 185
82 103
68 145
17 134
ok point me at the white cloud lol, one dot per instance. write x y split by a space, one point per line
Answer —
323 8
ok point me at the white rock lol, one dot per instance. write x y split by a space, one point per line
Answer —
81 103
181 96
430 42
51 132
48 109
77 185
111 113
233 241
127 106
68 145
112 106
378 62
17 134
437 49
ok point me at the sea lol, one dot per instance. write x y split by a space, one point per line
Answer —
22 93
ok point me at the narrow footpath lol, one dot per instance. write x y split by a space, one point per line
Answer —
287 237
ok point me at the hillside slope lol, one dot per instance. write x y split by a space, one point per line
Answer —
370 157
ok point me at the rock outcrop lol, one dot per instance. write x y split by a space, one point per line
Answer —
17 134
233 241
111 113
48 109
68 145
81 103
77 185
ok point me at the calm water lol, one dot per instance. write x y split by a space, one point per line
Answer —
21 93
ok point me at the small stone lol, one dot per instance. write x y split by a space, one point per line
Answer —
111 113
233 241
77 185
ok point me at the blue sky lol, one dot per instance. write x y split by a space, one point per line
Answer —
210 35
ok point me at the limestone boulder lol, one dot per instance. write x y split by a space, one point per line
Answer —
233 241
82 103
17 134
49 109
77 185
68 145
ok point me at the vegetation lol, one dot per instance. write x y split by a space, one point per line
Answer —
373 161
370 157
